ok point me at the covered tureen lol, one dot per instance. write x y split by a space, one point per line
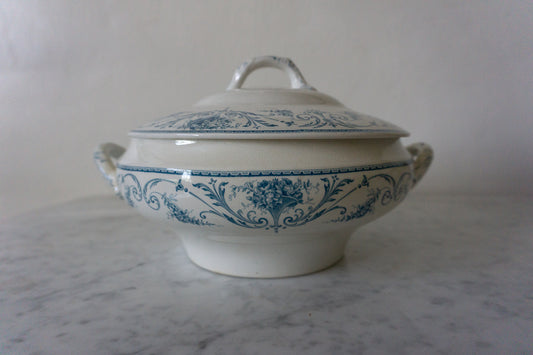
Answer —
265 182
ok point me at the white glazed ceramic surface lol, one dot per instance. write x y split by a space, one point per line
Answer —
265 183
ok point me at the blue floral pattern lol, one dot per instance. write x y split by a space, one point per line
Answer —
133 194
274 195
267 121
269 203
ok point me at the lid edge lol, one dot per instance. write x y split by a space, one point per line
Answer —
280 135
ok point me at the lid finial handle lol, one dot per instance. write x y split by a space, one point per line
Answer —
285 64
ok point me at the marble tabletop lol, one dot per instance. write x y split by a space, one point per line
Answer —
439 274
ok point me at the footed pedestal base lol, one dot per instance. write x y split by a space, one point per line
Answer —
265 256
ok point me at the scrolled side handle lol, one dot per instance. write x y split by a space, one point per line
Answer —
105 156
422 155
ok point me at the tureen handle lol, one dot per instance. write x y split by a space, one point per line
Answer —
422 157
105 156
268 61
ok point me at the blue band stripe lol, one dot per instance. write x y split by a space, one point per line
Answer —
262 131
212 173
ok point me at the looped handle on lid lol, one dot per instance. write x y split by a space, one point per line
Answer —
285 64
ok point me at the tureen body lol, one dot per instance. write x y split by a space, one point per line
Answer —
265 182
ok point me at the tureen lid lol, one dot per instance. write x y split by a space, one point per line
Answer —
300 112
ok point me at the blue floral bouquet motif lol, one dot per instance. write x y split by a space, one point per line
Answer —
208 123
275 196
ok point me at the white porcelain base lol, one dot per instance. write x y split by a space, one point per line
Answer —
265 257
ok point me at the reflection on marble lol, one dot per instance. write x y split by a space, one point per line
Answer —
439 274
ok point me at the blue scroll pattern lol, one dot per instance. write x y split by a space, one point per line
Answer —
237 121
272 203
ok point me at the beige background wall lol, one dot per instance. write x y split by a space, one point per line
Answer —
457 74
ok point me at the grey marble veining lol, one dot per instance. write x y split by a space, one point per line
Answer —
440 274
